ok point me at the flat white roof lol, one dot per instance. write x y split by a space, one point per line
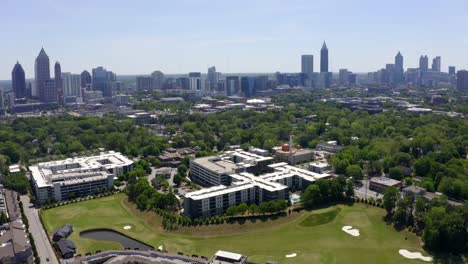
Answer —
228 255
73 169
268 181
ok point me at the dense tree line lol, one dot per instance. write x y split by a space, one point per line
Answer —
327 191
16 181
29 138
444 227
268 207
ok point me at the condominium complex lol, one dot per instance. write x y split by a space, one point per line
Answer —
75 177
235 184
215 170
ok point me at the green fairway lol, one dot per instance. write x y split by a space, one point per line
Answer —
315 236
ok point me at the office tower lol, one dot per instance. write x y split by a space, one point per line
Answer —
18 81
390 73
343 78
42 73
102 81
194 75
352 78
86 79
451 70
423 63
436 63
248 86
324 58
183 83
158 79
307 65
261 83
58 81
462 80
49 92
144 83
232 85
399 69
213 77
196 84
71 84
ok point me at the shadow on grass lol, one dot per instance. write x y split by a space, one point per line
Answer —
320 219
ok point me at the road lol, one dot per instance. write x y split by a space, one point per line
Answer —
44 249
361 191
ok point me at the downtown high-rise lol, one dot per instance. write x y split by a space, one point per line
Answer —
18 80
46 88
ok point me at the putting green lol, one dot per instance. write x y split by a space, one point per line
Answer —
260 240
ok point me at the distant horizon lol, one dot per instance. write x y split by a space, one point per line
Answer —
182 36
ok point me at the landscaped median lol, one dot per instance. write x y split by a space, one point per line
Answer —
315 236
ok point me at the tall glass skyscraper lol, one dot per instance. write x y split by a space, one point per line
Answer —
18 80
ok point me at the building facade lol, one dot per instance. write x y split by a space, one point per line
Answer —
18 81
246 187
77 177
462 80
324 58
42 74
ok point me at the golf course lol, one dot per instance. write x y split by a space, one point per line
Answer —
314 236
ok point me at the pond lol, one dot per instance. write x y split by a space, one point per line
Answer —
111 235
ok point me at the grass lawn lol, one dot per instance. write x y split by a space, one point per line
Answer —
315 236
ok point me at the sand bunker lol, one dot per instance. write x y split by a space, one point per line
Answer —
292 255
350 230
160 248
127 227
413 255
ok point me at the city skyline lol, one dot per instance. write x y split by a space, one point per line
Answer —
191 36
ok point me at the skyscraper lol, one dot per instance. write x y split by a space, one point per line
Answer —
42 73
324 58
71 84
58 82
436 63
232 85
18 80
423 63
307 65
102 81
462 80
452 70
86 79
144 83
212 77
248 86
399 69
158 79
343 77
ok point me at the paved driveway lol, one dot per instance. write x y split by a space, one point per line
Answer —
44 249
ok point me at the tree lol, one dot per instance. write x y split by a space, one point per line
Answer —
395 173
232 210
354 171
3 218
253 209
349 189
419 209
445 230
402 211
242 208
312 196
390 198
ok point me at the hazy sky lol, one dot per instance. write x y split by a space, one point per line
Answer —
177 36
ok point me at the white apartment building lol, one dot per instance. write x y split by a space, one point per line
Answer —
76 177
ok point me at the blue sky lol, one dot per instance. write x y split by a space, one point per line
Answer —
177 36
